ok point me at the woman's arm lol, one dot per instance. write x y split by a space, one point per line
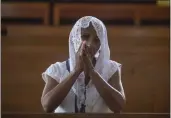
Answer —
54 92
112 92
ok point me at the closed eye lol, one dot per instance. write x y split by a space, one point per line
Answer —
85 37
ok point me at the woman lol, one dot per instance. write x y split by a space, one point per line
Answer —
88 81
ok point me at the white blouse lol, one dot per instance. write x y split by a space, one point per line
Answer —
59 70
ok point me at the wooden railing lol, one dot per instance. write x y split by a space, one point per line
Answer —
124 115
27 51
135 12
25 10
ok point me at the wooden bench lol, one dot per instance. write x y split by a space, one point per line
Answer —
137 12
27 51
87 115
25 10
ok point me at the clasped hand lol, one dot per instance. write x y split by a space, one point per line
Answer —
84 59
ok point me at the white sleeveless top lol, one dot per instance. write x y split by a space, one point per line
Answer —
59 70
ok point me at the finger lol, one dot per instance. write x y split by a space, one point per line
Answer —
92 50
87 58
84 55
84 52
88 52
80 46
86 49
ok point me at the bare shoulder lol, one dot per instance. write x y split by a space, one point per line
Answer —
52 76
115 63
115 80
116 68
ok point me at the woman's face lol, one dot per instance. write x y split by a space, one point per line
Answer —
89 35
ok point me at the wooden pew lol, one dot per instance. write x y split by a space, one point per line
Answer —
149 12
143 51
25 10
88 115
135 12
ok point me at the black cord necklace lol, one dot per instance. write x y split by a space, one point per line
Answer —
83 106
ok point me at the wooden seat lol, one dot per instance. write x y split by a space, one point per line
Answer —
25 10
154 12
136 12
27 51
88 115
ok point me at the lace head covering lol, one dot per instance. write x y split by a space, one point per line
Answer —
103 65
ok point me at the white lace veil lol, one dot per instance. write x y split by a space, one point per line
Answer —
103 64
